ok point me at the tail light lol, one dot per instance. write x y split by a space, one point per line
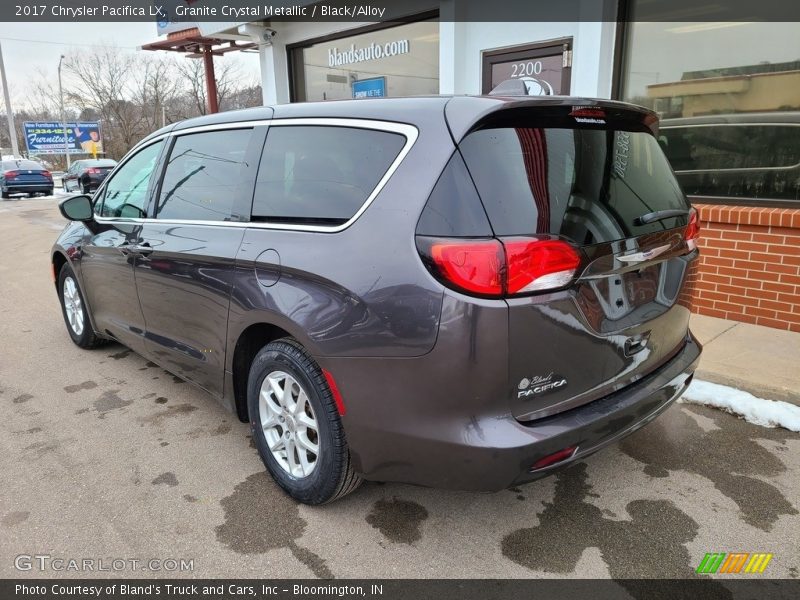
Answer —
11 174
93 171
500 267
47 174
692 233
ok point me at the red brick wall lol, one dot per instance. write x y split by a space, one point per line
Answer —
749 267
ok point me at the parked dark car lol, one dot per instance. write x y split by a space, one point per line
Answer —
87 175
459 292
24 176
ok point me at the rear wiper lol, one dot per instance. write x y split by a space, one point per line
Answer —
660 215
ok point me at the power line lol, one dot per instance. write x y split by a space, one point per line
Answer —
12 39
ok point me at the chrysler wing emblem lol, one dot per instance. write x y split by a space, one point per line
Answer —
645 255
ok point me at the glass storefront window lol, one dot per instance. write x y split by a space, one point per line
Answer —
728 94
395 61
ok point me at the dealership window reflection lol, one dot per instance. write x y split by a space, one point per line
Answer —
728 94
395 61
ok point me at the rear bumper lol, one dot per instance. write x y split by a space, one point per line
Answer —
28 187
459 449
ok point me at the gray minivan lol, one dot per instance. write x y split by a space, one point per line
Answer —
458 292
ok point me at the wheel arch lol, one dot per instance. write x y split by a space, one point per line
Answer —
248 343
58 260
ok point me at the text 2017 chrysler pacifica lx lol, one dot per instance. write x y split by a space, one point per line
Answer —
459 292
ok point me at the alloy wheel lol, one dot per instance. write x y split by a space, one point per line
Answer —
289 424
73 306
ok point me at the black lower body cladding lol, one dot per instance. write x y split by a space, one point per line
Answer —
441 421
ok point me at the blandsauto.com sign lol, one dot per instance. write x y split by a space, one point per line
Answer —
353 55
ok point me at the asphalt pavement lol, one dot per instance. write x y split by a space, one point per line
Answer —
105 456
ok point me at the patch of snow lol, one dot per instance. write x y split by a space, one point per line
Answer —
759 411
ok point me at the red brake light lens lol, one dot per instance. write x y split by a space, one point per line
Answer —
535 265
473 266
692 233
47 174
494 268
93 171
11 174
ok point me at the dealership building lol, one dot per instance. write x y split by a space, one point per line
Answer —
728 94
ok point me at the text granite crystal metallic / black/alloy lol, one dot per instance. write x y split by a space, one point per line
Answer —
456 292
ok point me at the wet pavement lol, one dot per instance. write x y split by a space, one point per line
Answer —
104 455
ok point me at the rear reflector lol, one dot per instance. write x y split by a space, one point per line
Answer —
496 268
337 397
692 233
555 457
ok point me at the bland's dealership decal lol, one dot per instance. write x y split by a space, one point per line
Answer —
353 55
539 384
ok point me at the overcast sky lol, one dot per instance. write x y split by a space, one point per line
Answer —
32 47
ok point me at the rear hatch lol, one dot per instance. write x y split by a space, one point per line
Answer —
28 173
597 241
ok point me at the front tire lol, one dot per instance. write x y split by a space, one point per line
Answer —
73 307
296 426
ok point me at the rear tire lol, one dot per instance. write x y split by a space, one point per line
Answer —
5 195
49 192
73 307
85 189
287 418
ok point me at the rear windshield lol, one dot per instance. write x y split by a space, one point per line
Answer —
26 165
588 185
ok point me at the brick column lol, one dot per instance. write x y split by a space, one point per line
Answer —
749 267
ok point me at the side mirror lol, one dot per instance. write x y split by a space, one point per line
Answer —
76 208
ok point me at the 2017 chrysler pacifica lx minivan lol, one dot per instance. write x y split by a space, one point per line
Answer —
459 292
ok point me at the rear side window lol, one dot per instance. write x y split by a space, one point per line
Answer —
203 176
320 174
588 185
454 208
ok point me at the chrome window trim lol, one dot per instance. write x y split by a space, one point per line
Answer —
410 132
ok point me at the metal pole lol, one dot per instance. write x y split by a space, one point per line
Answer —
211 81
63 119
12 131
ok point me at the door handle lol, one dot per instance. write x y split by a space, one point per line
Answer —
143 249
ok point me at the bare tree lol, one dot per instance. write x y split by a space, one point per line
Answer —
131 93
229 77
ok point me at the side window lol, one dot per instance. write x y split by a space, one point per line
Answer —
126 192
320 174
203 176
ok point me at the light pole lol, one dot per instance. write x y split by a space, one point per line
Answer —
63 119
12 132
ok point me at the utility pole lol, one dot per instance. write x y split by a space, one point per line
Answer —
12 131
63 119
